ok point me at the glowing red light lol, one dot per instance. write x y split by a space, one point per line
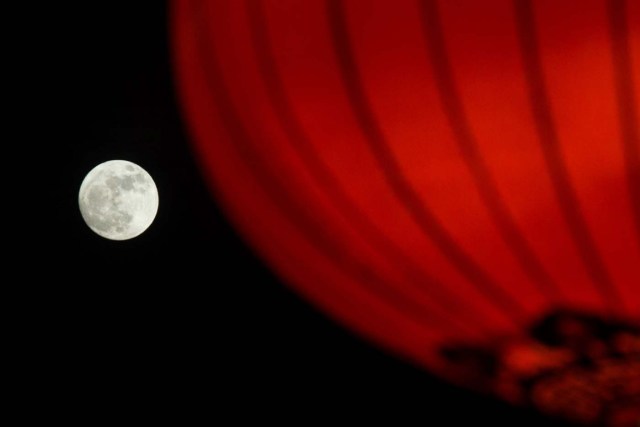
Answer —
429 172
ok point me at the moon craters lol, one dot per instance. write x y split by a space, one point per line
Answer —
118 200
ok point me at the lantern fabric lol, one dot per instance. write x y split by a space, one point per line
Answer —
426 172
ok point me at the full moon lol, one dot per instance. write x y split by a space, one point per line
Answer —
118 200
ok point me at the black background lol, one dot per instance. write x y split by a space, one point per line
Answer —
184 319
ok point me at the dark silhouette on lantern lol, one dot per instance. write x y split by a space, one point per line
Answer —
576 366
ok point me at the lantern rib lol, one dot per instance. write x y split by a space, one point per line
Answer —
455 310
398 182
627 104
485 184
303 219
547 134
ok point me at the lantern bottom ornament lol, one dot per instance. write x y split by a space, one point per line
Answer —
569 365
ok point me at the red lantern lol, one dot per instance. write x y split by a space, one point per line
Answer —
432 172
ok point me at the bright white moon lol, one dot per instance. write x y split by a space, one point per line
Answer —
118 200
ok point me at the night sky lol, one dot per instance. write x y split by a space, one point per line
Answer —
184 319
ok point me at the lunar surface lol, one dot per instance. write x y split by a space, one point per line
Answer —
118 200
